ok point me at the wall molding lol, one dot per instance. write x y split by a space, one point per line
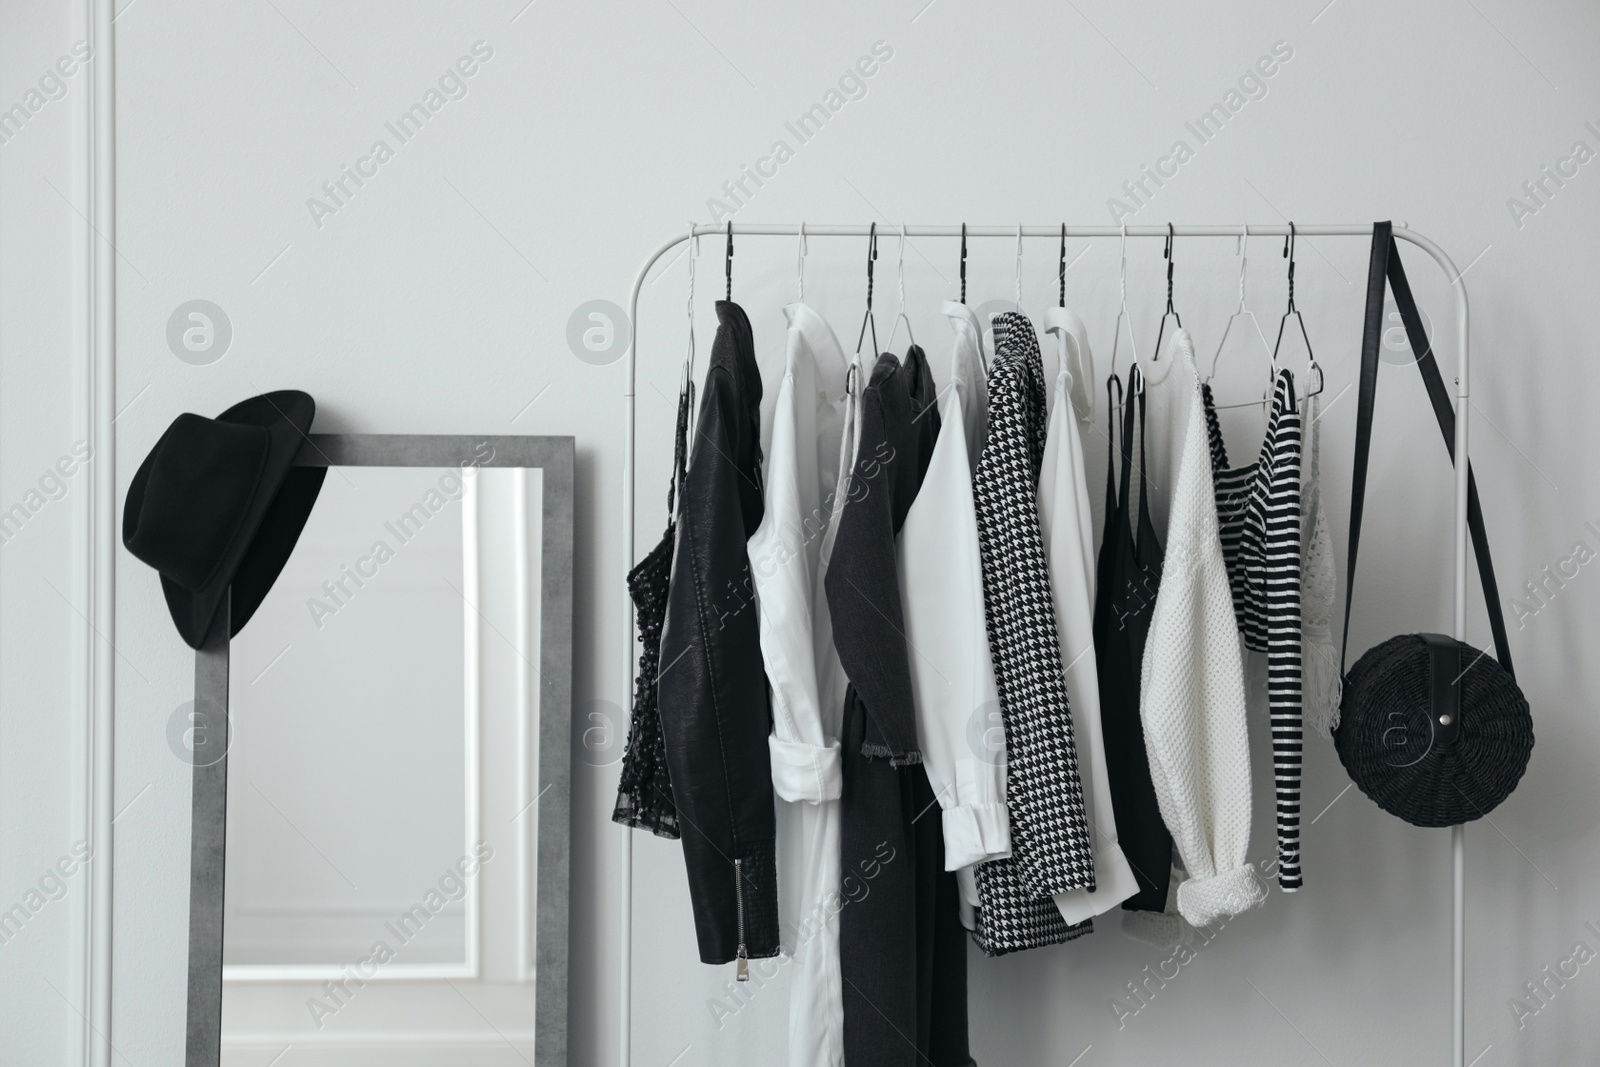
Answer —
94 548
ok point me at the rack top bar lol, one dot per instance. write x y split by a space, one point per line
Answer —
1265 229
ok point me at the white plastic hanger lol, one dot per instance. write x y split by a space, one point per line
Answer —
1243 252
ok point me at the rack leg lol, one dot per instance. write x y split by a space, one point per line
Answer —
1458 847
625 963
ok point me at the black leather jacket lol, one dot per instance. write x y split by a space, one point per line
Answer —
715 714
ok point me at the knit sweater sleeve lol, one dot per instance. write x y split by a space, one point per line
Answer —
1192 701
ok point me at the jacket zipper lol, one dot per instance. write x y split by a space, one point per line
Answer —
743 974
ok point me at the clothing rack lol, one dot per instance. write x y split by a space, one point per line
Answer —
1055 231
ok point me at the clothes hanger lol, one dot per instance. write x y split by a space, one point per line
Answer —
963 263
983 356
1243 252
729 265
1061 269
1072 357
686 379
800 266
1019 268
867 319
900 275
1166 254
1311 359
1123 316
986 330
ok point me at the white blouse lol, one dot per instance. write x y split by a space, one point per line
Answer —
1067 526
941 586
787 560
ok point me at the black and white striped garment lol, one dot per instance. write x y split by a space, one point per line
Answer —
1051 847
1258 509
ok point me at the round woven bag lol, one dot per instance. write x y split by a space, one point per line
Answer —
1387 741
1433 730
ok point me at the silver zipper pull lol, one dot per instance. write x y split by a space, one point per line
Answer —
743 973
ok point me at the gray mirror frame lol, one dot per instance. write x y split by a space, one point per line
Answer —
209 800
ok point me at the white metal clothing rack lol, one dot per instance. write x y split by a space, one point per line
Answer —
1054 231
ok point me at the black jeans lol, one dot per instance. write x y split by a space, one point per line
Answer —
902 948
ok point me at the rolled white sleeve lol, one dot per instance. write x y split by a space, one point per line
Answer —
975 825
805 772
952 674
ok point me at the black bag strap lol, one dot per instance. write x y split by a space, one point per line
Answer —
1385 265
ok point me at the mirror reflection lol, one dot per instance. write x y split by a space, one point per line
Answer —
381 877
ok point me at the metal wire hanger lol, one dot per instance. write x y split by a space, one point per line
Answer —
1061 268
900 276
686 379
1171 312
867 319
1243 252
1122 314
1311 359
963 263
1073 359
1019 268
800 267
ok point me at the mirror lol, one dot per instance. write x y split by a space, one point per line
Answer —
387 881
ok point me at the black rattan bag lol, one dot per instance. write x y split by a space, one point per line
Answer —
1435 731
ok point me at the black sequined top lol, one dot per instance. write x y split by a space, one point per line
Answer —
644 795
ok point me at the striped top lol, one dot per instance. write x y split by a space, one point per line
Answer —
1258 509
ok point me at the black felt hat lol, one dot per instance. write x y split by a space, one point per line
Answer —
219 503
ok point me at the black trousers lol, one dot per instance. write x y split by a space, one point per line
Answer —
902 948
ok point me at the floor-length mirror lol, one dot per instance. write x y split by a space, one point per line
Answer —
384 901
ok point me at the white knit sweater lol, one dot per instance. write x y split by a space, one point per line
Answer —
1192 700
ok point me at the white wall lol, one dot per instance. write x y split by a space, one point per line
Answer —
437 299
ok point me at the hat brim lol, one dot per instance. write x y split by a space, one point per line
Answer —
271 526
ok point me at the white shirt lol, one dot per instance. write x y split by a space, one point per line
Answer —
1192 698
1067 527
787 560
941 589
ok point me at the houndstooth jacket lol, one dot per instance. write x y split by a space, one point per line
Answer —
1051 848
